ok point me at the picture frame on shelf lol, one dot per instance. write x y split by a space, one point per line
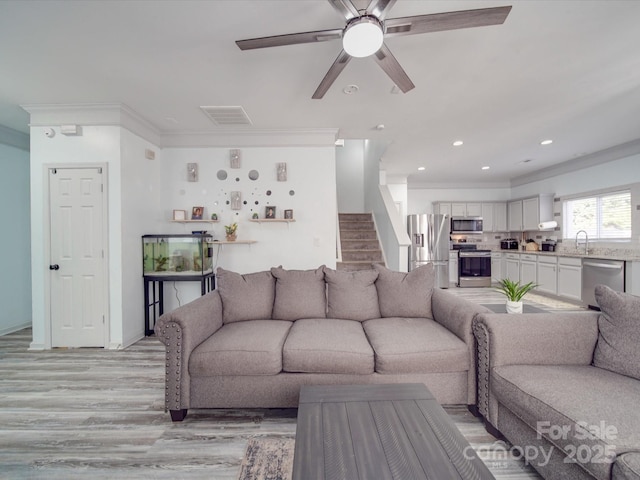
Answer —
288 214
270 212
180 215
196 213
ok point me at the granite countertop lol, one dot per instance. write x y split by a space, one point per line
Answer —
613 255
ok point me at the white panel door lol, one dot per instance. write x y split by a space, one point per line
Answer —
77 269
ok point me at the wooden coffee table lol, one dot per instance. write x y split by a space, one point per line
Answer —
390 431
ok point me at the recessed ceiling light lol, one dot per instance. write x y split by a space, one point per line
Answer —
457 143
421 169
350 89
546 142
486 167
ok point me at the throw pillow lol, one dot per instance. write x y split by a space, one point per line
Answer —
352 295
299 294
245 297
618 332
405 294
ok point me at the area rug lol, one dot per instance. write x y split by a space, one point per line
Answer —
268 458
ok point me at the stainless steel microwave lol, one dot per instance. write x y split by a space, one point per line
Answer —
466 225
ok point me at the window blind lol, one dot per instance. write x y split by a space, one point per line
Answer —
606 216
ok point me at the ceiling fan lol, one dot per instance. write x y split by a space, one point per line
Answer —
365 31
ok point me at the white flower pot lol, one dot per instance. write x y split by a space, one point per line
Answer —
514 307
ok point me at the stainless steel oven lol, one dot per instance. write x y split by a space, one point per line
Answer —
466 225
474 268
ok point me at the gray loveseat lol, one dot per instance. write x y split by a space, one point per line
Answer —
564 388
256 339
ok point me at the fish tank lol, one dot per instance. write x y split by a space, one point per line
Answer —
177 255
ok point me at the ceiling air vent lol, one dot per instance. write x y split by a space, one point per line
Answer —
227 116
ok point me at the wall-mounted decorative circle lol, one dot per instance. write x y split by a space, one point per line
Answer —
257 202
228 202
292 192
268 192
237 179
222 174
254 175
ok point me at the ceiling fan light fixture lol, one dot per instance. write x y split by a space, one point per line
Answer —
363 36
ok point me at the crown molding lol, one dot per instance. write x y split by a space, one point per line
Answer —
116 114
14 138
251 137
597 158
93 114
457 185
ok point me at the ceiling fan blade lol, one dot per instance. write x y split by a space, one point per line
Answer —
380 8
331 75
290 39
345 8
390 65
439 22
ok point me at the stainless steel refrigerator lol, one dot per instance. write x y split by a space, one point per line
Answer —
429 235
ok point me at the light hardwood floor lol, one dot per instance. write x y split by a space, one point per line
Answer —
93 413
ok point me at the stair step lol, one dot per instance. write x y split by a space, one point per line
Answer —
360 244
362 255
358 235
357 225
354 217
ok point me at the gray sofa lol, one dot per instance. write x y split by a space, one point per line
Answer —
564 388
256 339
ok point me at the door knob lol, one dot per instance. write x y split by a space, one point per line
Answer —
54 267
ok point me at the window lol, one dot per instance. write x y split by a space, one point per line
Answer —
604 217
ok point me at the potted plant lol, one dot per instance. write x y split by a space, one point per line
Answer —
230 231
514 293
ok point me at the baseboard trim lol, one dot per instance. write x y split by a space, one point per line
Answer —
14 328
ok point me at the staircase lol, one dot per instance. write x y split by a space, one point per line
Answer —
359 241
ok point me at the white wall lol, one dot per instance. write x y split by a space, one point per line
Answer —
142 213
96 145
307 243
350 176
15 275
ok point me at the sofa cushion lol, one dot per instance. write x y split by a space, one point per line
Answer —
327 345
415 345
246 297
253 347
352 295
618 347
405 294
299 294
627 467
550 398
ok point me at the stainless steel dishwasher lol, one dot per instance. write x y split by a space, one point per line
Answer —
597 271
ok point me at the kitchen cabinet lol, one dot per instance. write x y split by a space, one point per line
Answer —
496 267
570 278
512 267
466 209
443 208
515 216
526 214
528 269
494 217
500 217
453 267
548 275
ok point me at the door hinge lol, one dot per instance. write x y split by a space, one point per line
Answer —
101 188
54 171
100 170
103 319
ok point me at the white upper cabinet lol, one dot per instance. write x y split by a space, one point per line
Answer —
500 217
526 214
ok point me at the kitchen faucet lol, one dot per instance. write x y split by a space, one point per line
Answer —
586 241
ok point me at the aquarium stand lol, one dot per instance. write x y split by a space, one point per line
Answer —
154 294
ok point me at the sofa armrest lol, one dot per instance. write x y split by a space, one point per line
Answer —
181 331
531 339
456 314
